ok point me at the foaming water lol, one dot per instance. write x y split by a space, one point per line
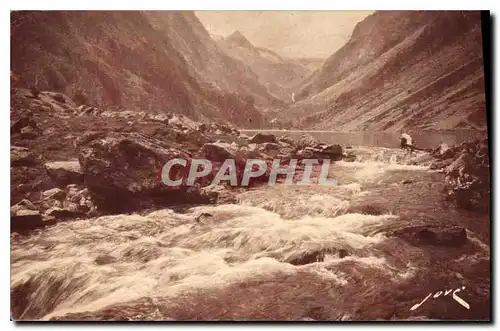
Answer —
87 265
120 258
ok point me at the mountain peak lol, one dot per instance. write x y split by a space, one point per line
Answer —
238 39
237 35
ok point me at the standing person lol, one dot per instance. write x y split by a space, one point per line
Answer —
406 141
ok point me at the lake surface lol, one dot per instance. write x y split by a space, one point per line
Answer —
424 139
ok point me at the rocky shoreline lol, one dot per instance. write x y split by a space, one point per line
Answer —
467 174
75 161
79 165
101 163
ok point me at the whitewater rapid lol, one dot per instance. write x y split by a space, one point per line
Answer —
87 265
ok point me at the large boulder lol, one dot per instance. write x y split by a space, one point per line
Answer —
263 137
321 152
123 172
333 152
176 134
314 255
306 258
63 173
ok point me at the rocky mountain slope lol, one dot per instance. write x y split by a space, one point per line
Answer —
141 61
106 161
417 70
281 76
203 55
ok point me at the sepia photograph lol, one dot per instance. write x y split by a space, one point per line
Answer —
319 166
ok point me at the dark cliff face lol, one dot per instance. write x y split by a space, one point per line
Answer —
400 69
131 60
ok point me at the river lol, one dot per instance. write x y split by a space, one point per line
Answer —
163 265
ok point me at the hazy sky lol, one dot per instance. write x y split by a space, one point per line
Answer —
290 33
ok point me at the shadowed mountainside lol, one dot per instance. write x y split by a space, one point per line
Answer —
210 62
413 70
135 61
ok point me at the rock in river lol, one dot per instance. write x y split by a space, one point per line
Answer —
453 236
123 172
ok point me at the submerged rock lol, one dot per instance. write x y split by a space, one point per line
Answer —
368 209
306 258
313 256
105 259
349 157
453 236
204 218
